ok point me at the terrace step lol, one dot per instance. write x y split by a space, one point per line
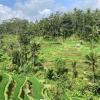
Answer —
22 94
8 88
3 84
19 82
36 88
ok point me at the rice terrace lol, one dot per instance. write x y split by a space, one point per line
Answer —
48 53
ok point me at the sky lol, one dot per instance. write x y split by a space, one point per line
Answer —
37 9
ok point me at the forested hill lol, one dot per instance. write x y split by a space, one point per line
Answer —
79 22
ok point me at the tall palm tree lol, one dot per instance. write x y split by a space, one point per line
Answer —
75 73
16 59
92 60
34 51
24 41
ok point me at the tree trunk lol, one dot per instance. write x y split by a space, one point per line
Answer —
33 59
25 53
94 74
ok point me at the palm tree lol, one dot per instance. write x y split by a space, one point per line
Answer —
66 26
92 60
34 50
75 73
50 74
24 41
16 59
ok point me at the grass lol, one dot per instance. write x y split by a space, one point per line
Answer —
3 84
49 52
36 88
24 96
19 82
9 88
66 50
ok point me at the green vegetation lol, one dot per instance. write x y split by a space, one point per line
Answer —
19 80
56 58
36 88
3 84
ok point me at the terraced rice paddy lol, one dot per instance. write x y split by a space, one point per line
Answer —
3 83
15 87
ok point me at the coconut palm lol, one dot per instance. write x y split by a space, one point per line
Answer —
92 60
75 73
34 51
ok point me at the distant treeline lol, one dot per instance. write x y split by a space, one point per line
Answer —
81 23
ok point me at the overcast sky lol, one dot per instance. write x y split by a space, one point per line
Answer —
36 9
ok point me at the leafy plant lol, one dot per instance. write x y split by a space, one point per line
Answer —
75 73
92 61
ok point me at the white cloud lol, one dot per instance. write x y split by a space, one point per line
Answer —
7 13
36 9
30 9
45 12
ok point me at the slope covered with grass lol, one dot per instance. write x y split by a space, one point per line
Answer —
3 83
36 88
19 80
